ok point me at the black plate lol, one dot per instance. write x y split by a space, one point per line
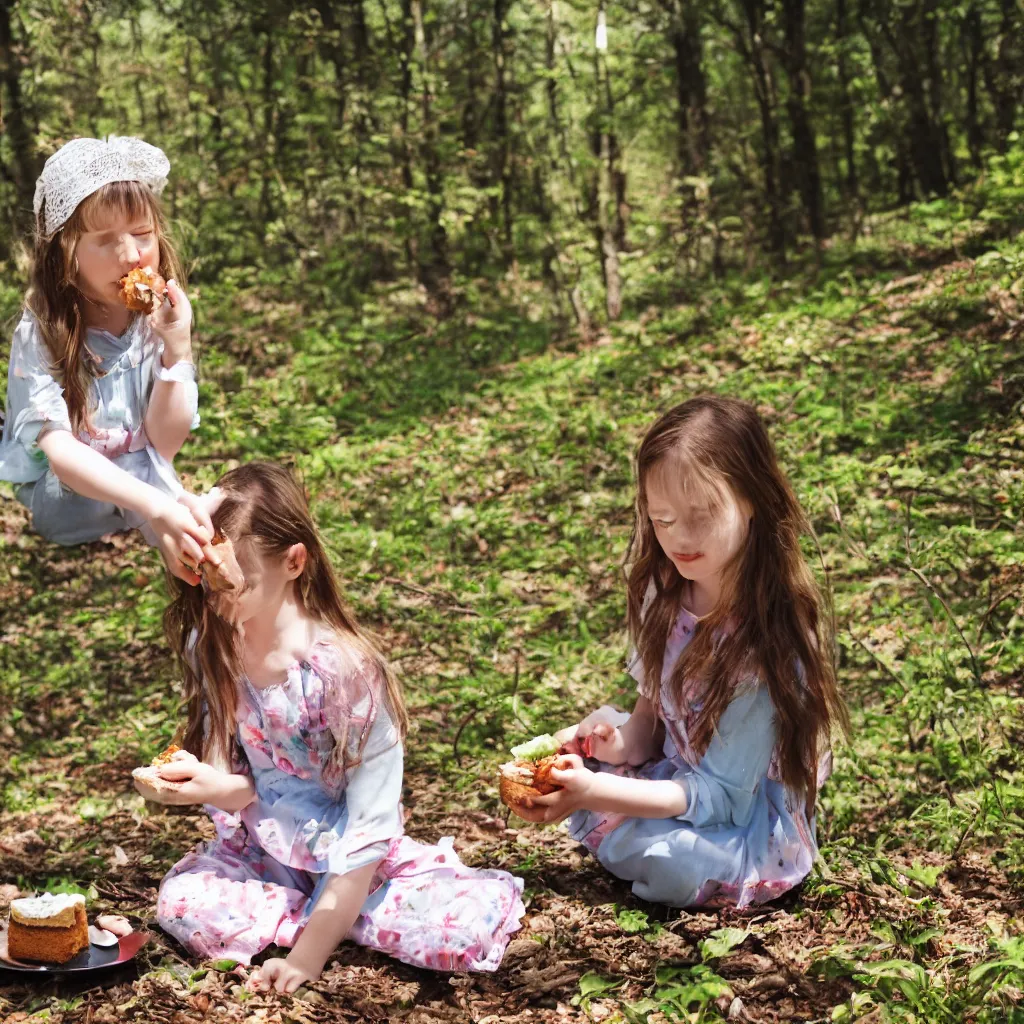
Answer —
95 958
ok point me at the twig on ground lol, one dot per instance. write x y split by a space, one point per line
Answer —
450 601
473 712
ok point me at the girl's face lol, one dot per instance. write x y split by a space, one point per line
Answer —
699 528
268 578
113 246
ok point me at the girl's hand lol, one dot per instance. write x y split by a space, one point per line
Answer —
605 742
200 510
172 321
200 783
596 736
180 539
576 782
280 975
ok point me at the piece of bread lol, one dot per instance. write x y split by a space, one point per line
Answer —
150 774
142 290
226 576
522 779
166 756
50 928
223 579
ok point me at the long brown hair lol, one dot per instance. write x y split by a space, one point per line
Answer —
57 302
775 615
263 505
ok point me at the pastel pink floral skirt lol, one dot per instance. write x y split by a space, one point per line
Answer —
229 898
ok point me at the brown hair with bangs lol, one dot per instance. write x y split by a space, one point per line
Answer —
56 300
264 506
772 611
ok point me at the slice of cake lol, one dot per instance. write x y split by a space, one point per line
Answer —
142 290
150 774
51 928
530 773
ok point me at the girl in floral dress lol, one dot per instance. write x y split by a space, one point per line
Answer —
705 794
294 744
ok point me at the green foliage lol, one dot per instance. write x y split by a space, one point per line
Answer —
471 474
592 985
632 922
688 993
330 153
722 942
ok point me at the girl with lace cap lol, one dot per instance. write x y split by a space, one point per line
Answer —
100 399
294 744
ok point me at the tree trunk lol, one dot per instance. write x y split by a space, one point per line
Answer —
550 39
24 166
925 140
805 149
753 11
500 172
898 133
846 112
216 58
140 95
925 145
361 41
267 163
435 269
363 51
693 134
331 46
609 183
936 67
692 142
973 53
559 160
408 177
1004 75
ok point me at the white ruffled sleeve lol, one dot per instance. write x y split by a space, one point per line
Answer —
370 773
35 404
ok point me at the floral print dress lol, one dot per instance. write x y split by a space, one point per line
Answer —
744 838
318 814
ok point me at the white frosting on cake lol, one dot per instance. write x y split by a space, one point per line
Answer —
47 905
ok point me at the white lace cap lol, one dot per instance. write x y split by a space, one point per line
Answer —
82 166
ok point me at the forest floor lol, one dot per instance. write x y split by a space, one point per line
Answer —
473 481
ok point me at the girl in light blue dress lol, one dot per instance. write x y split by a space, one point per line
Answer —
705 794
100 399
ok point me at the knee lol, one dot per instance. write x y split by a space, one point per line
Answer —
173 901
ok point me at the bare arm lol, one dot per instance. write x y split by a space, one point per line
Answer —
332 919
87 472
93 475
643 734
333 916
638 798
234 793
169 416
602 791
